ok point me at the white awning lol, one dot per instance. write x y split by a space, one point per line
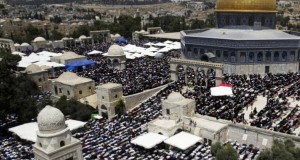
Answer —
183 140
28 131
149 140
94 52
221 91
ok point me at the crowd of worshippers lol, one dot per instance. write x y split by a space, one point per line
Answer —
103 139
246 89
140 74
111 139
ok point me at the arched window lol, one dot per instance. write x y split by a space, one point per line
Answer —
195 51
62 143
276 56
284 56
202 51
260 57
292 55
232 57
243 57
268 56
251 57
103 107
225 56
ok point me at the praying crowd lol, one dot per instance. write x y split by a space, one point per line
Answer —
110 139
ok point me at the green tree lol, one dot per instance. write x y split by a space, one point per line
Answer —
227 153
16 92
55 35
74 109
280 151
120 107
215 148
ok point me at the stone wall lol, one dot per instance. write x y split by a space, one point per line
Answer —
135 99
255 135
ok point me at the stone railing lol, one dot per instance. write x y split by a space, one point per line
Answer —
196 63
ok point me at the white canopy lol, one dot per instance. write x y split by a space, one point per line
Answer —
23 64
168 42
28 131
183 140
159 44
149 44
221 91
149 140
94 52
49 64
18 53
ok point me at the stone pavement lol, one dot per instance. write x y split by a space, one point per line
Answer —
260 103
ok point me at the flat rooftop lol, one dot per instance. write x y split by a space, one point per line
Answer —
208 124
244 34
171 36
164 123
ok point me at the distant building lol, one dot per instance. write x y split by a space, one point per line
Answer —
115 57
107 96
178 113
245 40
72 86
68 57
39 76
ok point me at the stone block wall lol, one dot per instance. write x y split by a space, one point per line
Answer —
135 99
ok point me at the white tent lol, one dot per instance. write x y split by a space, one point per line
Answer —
149 140
159 44
183 140
28 131
152 49
94 52
168 42
221 91
49 64
18 53
149 44
23 64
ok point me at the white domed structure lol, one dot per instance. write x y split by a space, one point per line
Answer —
116 57
175 97
25 44
51 119
54 138
39 39
115 50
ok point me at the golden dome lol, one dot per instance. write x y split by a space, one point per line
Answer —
262 6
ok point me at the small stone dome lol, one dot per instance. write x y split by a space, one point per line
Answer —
82 37
39 39
51 119
25 44
175 97
115 50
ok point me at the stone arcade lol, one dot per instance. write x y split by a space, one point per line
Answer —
245 40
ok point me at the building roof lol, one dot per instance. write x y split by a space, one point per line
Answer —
244 34
51 119
69 55
175 97
39 39
260 6
171 36
115 50
33 68
208 124
70 78
109 85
